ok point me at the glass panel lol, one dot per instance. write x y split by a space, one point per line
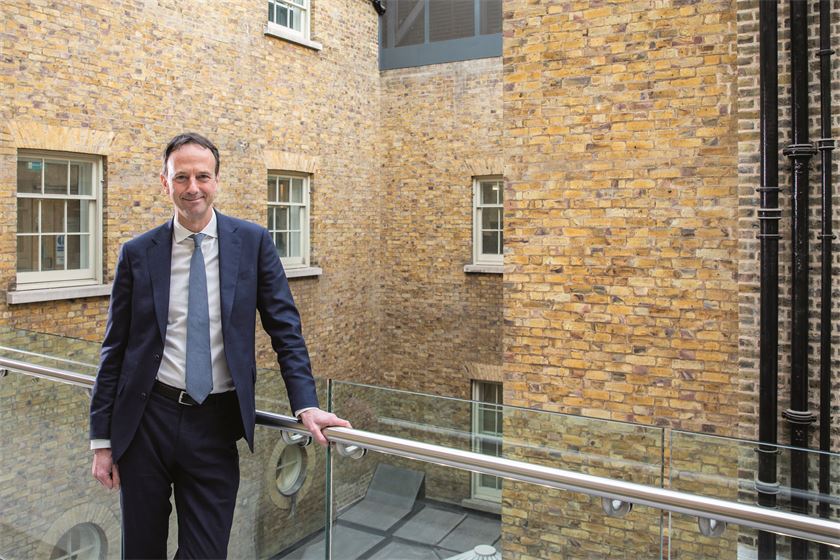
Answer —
491 16
270 11
282 242
29 175
294 244
491 193
536 522
727 468
282 15
270 219
27 253
77 216
490 243
55 177
451 19
27 215
410 28
283 189
491 218
295 213
52 252
297 190
77 252
271 186
52 216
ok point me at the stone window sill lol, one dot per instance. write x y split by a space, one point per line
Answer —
55 294
282 33
304 272
484 269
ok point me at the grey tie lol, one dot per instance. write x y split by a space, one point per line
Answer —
199 365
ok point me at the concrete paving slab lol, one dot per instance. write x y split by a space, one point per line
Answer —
473 531
430 525
350 541
404 551
389 498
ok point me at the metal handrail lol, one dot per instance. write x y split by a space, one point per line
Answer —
783 523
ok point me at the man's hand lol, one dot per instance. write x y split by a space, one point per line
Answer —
316 420
105 470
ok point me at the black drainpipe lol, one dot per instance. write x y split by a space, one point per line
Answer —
825 145
769 214
799 152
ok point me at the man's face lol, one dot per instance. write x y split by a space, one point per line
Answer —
190 181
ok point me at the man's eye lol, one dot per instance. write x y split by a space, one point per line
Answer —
180 178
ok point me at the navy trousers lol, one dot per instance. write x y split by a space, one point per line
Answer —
193 450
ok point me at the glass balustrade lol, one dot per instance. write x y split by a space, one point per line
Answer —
297 501
369 497
727 468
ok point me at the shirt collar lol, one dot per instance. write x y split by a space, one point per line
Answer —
181 233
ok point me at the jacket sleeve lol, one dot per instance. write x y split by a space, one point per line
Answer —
281 320
113 350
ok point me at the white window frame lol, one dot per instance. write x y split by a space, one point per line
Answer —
303 260
479 257
300 7
478 490
92 274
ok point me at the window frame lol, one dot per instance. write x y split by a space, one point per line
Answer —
479 491
479 257
292 263
304 7
90 275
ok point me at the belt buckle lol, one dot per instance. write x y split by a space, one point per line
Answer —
181 400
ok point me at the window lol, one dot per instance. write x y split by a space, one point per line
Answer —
58 220
85 541
488 221
290 472
487 436
288 217
290 15
421 32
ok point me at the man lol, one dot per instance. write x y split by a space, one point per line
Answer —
175 386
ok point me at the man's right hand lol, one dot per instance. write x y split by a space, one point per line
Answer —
105 470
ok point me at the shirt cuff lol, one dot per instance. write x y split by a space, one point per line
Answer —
100 443
302 410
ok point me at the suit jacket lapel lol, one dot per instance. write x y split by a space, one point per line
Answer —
159 255
229 243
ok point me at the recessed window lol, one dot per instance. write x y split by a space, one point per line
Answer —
84 541
291 15
487 436
58 220
488 221
290 472
288 217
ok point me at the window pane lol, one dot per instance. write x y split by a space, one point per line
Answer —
270 11
55 177
281 241
76 252
27 215
297 190
295 218
52 216
283 194
271 188
410 25
491 16
491 218
270 219
451 19
29 175
81 178
282 15
501 242
294 244
27 253
78 216
490 243
52 252
281 218
491 193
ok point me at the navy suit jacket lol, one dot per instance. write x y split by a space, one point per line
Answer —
251 280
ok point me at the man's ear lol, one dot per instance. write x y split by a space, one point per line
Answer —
164 184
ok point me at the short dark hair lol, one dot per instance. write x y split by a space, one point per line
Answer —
190 138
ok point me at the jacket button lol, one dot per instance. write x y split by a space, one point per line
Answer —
143 396
157 356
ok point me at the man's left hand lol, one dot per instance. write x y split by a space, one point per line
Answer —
316 420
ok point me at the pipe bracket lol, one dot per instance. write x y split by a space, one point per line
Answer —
768 235
824 143
825 52
762 487
799 151
828 236
799 416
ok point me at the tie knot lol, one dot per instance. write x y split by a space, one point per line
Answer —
198 238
